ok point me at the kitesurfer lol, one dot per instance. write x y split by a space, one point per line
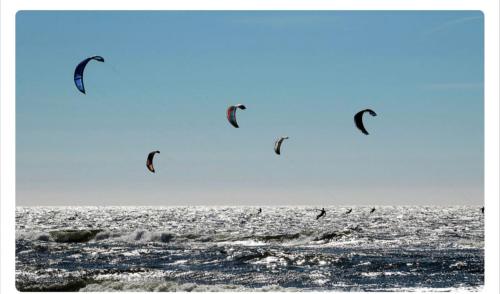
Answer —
322 213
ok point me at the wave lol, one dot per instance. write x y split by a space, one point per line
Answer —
144 236
336 235
168 286
83 236
141 236
60 285
73 236
277 238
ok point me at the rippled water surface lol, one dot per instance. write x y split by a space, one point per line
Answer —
237 249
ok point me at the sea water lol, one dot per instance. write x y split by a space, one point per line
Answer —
403 248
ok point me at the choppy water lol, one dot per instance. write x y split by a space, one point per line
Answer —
235 249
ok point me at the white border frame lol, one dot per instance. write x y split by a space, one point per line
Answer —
9 8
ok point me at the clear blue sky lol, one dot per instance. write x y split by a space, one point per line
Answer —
168 78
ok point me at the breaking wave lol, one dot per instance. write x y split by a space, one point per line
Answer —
167 286
144 236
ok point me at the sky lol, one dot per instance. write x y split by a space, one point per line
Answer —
169 76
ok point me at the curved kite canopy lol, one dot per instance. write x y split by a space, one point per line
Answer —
149 161
358 120
231 114
277 145
79 72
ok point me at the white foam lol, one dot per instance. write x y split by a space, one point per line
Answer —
163 286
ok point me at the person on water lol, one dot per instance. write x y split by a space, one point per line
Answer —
349 211
373 210
322 213
482 209
259 211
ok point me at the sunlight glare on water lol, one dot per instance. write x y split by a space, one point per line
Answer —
236 249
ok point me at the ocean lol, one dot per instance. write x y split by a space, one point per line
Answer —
203 248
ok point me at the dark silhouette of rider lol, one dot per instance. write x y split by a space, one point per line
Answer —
323 212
